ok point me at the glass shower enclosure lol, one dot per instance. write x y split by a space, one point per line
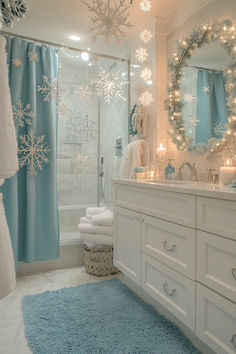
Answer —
91 135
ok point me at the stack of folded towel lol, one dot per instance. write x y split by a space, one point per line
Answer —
96 228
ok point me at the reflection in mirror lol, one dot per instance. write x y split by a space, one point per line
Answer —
203 93
201 99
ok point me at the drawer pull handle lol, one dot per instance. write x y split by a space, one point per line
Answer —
233 340
173 291
168 249
234 273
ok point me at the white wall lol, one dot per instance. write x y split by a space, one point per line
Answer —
179 25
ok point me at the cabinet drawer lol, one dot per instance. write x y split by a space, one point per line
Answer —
217 216
176 207
216 263
169 243
216 321
169 288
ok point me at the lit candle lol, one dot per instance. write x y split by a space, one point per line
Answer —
227 173
161 151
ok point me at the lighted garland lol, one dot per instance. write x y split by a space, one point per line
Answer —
225 32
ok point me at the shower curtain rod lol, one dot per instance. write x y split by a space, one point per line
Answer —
201 67
52 44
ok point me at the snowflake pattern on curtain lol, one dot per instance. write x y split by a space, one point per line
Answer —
17 62
22 114
33 152
48 88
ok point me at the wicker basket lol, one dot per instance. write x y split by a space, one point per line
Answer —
99 260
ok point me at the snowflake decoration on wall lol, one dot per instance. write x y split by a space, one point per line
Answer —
79 129
83 92
146 98
12 11
109 85
206 89
145 5
109 20
33 152
33 56
189 97
218 130
146 36
141 54
22 114
146 74
17 62
48 88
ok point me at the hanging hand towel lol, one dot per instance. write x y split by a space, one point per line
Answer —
95 229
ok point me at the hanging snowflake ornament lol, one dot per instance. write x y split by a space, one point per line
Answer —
22 114
33 152
83 92
109 20
189 97
48 88
146 98
146 74
17 62
33 56
145 5
109 85
12 11
146 36
206 89
141 55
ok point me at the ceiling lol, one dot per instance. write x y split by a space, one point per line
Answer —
55 20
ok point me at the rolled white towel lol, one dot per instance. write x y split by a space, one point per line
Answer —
94 211
85 220
97 239
95 229
105 218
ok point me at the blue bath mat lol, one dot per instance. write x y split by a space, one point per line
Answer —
99 318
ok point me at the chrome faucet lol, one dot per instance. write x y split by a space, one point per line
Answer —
192 168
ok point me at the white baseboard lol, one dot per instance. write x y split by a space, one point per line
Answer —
71 255
162 311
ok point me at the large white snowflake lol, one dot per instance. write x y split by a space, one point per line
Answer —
190 97
146 98
83 91
146 74
141 54
33 152
12 11
48 88
146 36
109 85
108 20
22 114
79 129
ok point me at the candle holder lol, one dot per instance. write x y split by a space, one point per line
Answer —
227 172
159 161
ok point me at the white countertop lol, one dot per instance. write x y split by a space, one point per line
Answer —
193 188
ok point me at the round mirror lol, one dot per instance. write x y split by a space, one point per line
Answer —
202 89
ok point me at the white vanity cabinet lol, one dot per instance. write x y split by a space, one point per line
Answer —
179 246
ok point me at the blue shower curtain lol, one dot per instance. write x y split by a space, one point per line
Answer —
30 197
211 106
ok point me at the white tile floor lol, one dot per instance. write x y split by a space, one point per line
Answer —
12 339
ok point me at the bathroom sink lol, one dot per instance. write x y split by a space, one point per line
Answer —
168 181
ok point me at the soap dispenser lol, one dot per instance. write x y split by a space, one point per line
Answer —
170 170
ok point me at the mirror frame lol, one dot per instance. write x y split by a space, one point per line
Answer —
225 33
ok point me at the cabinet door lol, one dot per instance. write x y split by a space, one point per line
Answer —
127 242
216 321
